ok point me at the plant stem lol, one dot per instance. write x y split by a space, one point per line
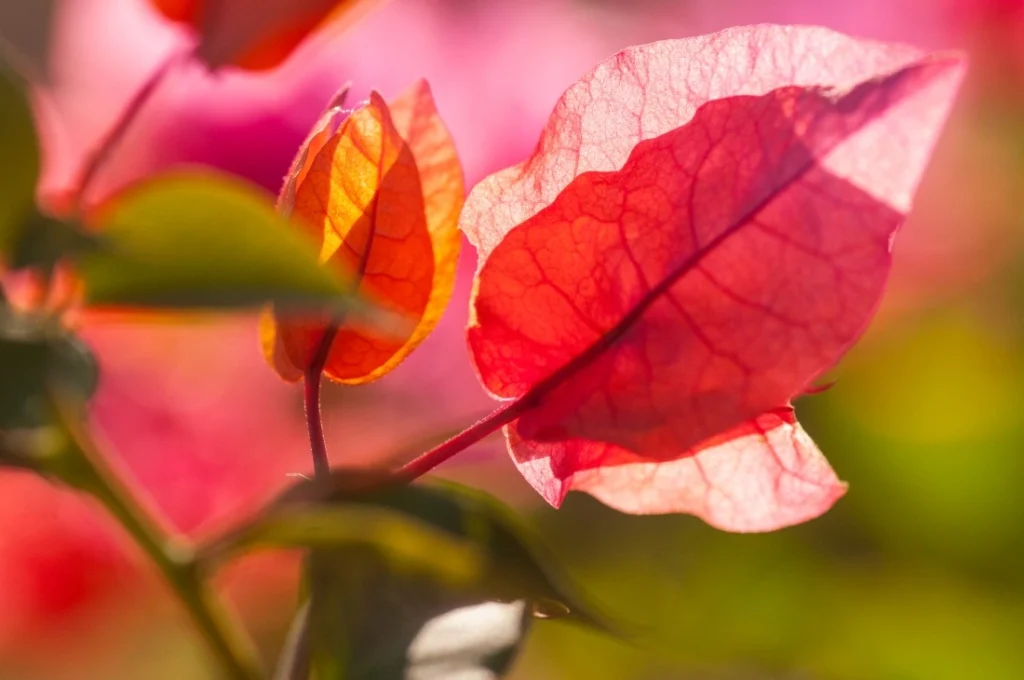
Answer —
311 399
495 420
314 424
296 662
172 555
98 158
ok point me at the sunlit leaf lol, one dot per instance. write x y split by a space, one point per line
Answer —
703 230
382 196
324 129
761 475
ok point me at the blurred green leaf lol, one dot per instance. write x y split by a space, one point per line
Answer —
369 622
19 151
27 237
410 582
38 357
193 240
24 363
43 240
515 566
405 542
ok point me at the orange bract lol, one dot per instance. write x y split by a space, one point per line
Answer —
382 196
253 35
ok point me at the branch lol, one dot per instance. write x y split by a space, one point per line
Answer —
173 556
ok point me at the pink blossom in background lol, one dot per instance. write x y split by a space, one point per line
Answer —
194 411
495 68
57 559
206 434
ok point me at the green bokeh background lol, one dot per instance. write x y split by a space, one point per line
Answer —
916 573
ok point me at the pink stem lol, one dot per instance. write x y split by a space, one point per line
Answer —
498 418
109 142
311 394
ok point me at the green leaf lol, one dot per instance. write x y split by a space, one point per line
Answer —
383 602
368 622
517 565
19 158
41 363
405 542
37 358
203 239
43 240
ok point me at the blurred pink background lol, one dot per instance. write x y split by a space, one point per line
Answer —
192 409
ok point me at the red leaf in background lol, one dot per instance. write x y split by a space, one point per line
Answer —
252 34
703 230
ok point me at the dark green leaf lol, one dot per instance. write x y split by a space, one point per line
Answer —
24 364
43 240
19 158
517 565
404 541
369 622
37 358
193 240
382 607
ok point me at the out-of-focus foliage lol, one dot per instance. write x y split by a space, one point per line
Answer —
38 360
200 240
917 573
423 581
19 171
443 529
371 622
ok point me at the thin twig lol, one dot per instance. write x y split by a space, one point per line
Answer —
489 424
172 555
98 158
311 398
